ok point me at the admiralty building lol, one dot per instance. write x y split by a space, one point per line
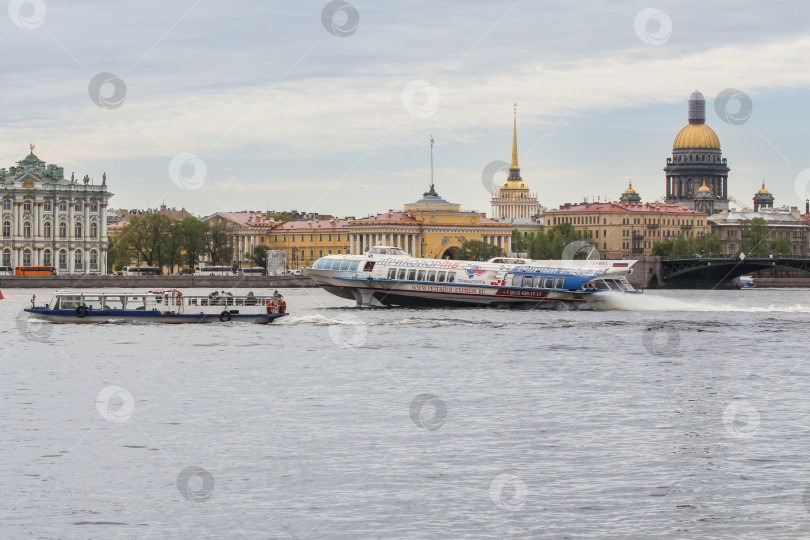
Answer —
53 221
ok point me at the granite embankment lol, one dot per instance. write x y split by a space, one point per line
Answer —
154 282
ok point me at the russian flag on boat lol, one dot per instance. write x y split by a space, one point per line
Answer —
619 265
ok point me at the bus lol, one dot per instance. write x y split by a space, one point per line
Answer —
6 271
35 271
252 271
141 271
213 270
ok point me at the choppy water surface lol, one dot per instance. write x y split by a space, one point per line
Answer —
676 414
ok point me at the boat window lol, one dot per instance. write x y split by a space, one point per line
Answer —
527 281
70 302
440 276
392 273
318 264
136 302
412 275
369 266
516 281
345 265
420 276
92 301
402 273
558 283
451 277
354 266
431 275
114 302
548 283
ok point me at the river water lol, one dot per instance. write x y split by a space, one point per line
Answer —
676 414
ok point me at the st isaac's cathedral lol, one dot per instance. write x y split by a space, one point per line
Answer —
697 172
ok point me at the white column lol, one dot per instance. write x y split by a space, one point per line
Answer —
351 244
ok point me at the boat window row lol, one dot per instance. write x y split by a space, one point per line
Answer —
536 282
97 302
410 274
336 264
226 301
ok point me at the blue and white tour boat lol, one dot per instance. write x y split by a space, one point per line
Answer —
169 306
388 276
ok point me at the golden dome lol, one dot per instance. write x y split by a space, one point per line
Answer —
514 184
630 189
696 136
704 188
763 191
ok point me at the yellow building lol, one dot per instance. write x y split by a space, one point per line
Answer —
430 227
621 230
307 241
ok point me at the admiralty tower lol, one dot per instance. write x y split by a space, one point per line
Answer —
697 163
514 203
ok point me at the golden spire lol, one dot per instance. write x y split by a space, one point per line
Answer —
32 147
514 142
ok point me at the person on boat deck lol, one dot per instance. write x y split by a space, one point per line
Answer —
250 294
277 295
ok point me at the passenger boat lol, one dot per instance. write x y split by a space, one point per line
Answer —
170 306
388 276
747 282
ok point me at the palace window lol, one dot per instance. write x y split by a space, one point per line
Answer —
78 206
93 258
26 257
27 229
46 257
94 206
77 259
63 206
47 206
320 238
6 230
78 231
62 258
7 205
311 238
302 237
63 230
93 229
6 257
27 206
338 238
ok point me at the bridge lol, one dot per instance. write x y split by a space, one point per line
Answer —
715 270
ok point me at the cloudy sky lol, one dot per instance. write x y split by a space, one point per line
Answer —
330 106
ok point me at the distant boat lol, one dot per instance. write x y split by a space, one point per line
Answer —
170 306
747 282
386 275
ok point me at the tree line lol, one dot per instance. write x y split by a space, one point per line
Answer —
157 240
754 239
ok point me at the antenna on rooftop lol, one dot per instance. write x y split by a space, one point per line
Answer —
431 163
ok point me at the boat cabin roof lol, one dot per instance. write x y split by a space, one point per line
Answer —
387 250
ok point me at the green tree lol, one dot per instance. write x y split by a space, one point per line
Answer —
119 253
475 250
259 255
520 242
681 247
173 246
216 243
145 236
193 231
782 246
755 236
662 249
281 217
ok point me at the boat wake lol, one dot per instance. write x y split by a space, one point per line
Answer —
653 302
